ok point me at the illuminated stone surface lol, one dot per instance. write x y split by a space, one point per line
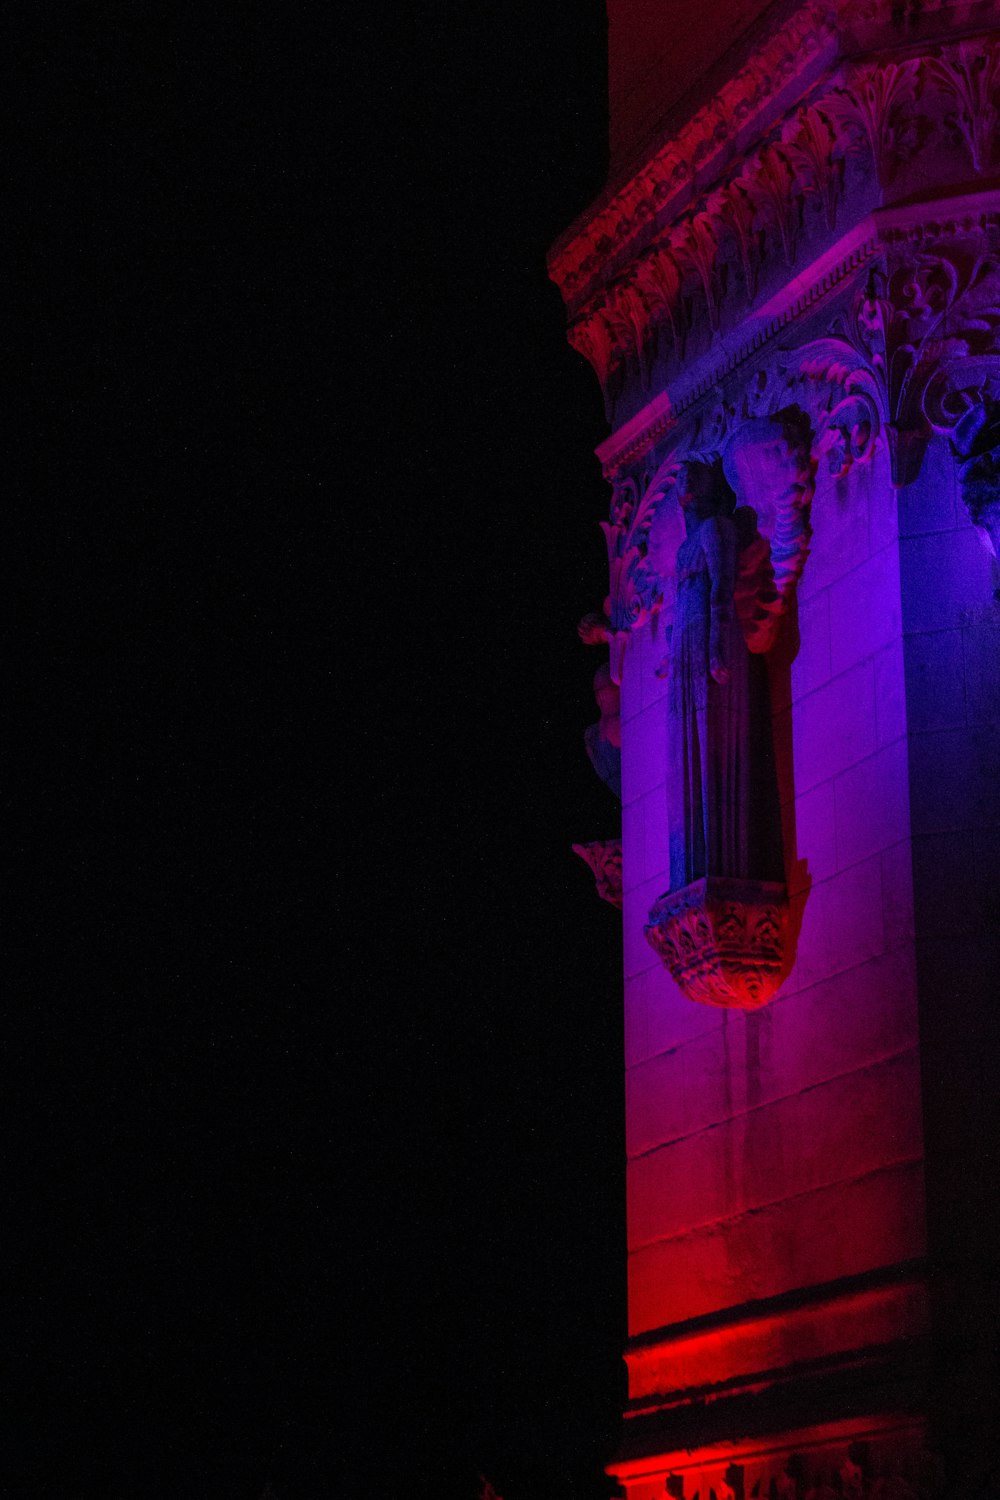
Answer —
803 224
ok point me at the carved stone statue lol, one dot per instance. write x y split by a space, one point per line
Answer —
604 739
720 926
722 796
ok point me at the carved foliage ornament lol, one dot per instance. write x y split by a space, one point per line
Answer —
844 427
723 940
917 346
829 379
969 77
927 326
872 110
710 133
635 588
604 856
876 101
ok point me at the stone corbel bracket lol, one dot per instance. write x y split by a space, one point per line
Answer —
724 941
688 240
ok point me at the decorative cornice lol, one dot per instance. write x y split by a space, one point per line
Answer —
794 50
656 274
647 428
911 227
770 94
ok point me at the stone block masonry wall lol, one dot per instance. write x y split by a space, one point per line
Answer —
804 231
782 1149
951 625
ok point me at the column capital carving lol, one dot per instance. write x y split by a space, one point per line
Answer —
813 134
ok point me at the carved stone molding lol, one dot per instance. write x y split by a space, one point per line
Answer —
876 101
656 263
707 139
604 856
844 429
723 940
924 324
684 399
969 77
849 1470
634 587
906 355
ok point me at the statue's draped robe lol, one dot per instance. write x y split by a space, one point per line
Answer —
722 797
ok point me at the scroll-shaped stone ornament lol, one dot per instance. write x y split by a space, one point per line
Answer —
720 927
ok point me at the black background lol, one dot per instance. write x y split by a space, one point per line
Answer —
320 1117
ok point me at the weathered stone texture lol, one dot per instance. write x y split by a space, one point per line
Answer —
833 255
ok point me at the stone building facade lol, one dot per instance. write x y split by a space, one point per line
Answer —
790 294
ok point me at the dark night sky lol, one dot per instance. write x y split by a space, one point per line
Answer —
321 1128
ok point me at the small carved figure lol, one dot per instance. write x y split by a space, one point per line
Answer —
721 787
721 927
604 739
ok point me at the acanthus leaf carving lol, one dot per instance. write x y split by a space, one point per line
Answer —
976 446
830 380
808 142
631 316
969 75
872 109
917 346
703 142
635 587
661 281
593 336
733 208
875 102
770 184
700 248
912 321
